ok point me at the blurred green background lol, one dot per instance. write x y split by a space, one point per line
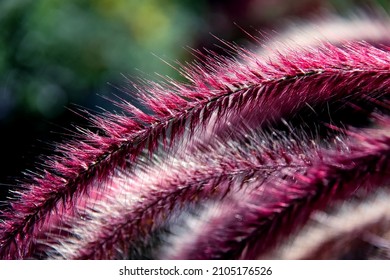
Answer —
55 53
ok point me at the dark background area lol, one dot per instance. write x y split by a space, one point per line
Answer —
55 54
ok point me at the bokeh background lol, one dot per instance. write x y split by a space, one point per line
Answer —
55 54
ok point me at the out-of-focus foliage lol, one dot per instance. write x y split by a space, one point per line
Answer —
54 50
348 5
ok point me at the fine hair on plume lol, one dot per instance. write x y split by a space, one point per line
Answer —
280 151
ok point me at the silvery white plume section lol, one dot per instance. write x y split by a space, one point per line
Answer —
237 163
360 226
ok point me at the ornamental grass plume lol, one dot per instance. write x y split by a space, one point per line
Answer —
264 154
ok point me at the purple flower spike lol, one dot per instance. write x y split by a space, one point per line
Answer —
235 163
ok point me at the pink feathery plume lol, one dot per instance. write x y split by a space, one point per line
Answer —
111 191
209 175
342 230
281 205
